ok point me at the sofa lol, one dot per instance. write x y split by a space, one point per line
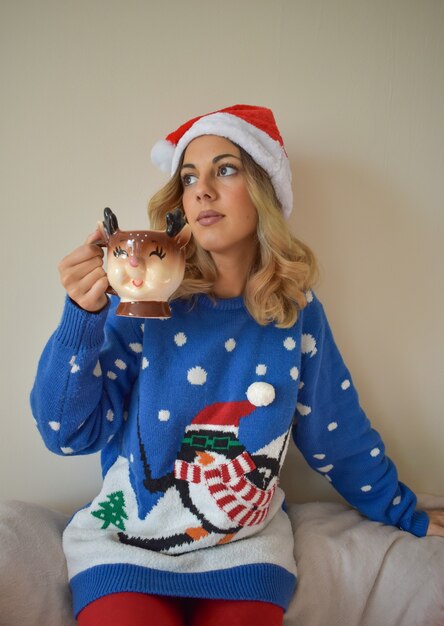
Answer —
351 571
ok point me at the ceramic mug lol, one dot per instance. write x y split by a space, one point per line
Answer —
145 267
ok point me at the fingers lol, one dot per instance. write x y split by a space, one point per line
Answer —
436 525
83 276
93 299
97 236
79 255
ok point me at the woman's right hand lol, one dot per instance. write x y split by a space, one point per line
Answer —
83 276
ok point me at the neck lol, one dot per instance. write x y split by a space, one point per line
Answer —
232 273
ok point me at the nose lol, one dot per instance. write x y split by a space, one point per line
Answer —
136 261
204 189
204 458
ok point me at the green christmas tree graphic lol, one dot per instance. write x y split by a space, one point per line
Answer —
112 511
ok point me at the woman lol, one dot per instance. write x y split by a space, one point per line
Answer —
194 414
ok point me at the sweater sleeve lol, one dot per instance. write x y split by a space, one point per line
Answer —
336 438
84 379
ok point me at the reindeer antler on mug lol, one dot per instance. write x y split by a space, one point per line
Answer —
110 223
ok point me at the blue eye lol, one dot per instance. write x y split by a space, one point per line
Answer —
119 252
227 170
188 179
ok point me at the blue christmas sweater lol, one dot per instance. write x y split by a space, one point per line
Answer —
193 416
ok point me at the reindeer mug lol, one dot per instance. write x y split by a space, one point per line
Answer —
145 267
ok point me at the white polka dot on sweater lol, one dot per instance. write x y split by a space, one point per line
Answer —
230 345
261 369
289 343
308 345
145 363
332 426
327 477
97 370
120 364
67 450
396 501
111 375
110 416
319 456
325 469
142 327
345 384
309 296
303 409
164 415
180 339
74 367
136 347
110 438
54 425
294 373
197 376
131 458
366 488
375 452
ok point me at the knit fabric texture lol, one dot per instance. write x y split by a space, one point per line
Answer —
193 416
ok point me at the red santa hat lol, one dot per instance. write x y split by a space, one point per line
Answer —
227 415
252 128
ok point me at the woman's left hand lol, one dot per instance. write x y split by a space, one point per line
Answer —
436 525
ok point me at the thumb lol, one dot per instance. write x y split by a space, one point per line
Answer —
96 237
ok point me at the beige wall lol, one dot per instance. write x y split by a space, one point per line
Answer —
358 90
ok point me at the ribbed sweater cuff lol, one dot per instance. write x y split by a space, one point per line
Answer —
79 327
420 523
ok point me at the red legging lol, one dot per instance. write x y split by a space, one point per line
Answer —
139 609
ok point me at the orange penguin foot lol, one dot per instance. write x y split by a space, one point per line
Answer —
196 533
226 539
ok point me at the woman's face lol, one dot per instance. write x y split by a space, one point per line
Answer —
216 201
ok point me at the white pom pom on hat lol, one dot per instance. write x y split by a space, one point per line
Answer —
162 154
261 394
252 128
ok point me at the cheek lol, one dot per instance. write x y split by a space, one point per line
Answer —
116 269
186 205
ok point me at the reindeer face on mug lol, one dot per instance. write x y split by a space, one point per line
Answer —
145 267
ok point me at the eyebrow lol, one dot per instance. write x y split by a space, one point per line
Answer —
215 160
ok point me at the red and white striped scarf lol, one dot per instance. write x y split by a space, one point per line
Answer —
244 503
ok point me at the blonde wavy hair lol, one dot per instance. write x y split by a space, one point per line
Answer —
284 268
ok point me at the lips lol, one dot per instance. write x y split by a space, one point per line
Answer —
137 283
208 218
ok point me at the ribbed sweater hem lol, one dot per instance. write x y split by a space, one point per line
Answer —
261 582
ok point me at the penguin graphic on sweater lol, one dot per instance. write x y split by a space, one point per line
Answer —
224 486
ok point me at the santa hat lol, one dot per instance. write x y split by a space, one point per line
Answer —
252 128
227 415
